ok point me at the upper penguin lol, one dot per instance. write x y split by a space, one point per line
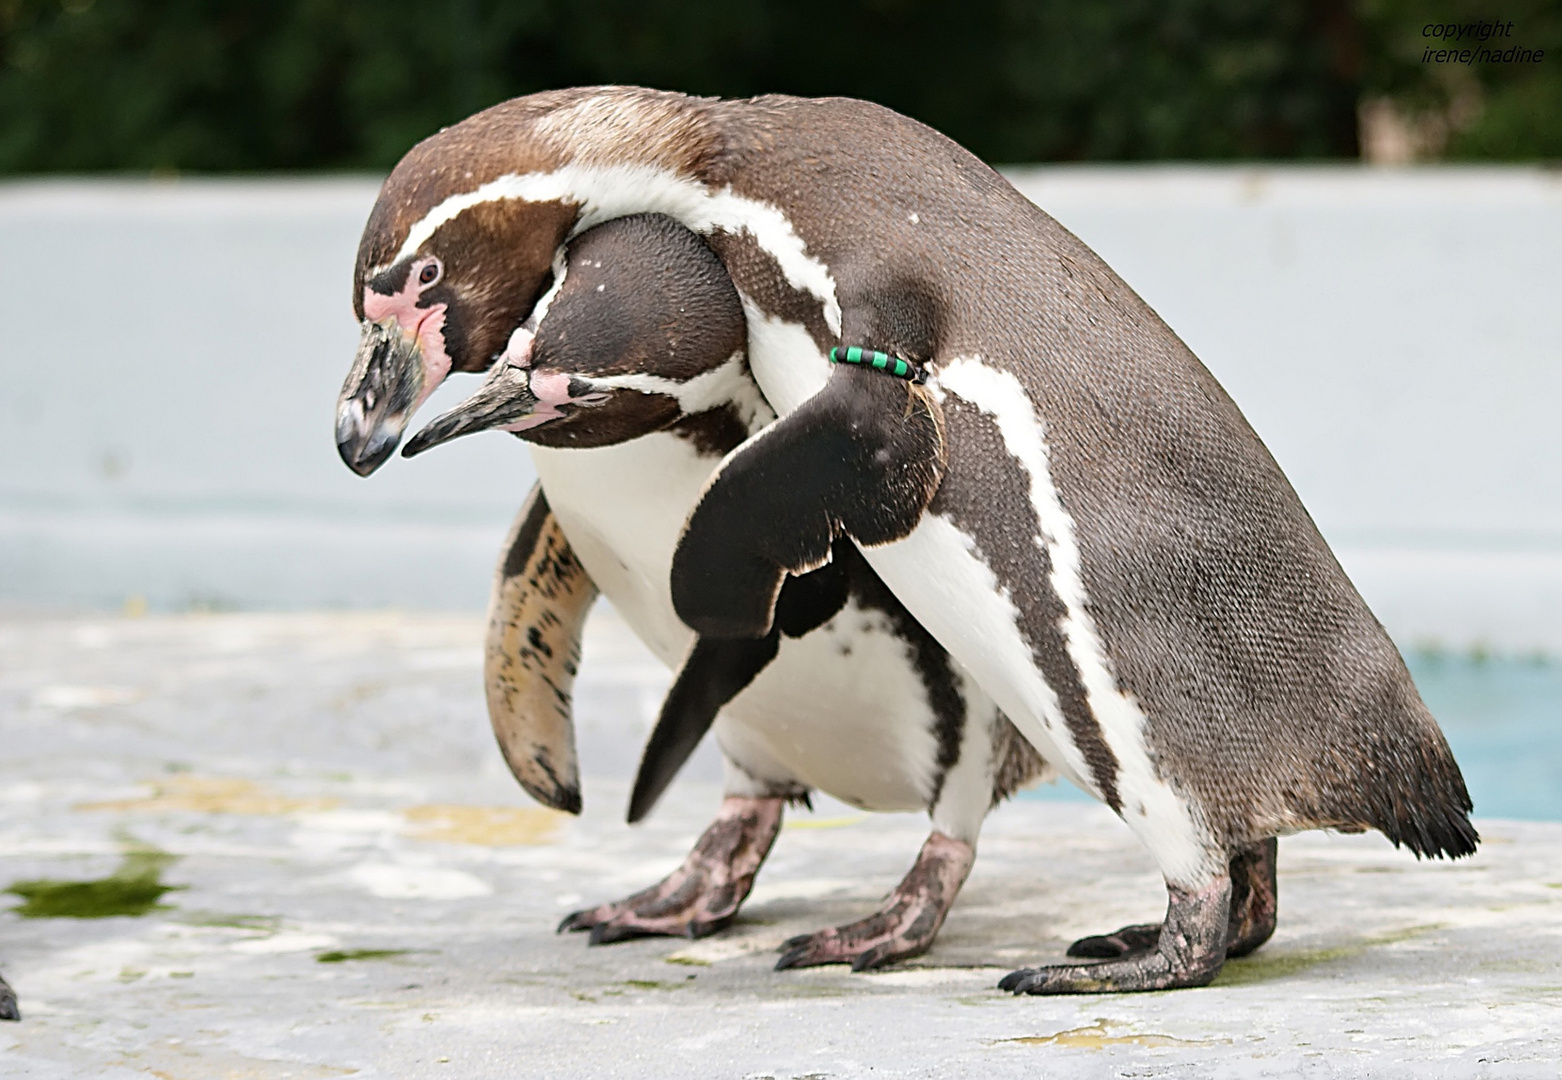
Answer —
1063 496
631 387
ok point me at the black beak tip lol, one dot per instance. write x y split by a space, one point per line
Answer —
417 444
439 430
362 459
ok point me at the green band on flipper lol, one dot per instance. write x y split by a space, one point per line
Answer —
878 361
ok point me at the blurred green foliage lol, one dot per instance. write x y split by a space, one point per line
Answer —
305 84
1509 112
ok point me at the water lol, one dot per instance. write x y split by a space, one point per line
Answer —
1503 718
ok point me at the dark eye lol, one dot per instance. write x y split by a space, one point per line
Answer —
429 274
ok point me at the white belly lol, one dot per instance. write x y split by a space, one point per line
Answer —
623 508
842 709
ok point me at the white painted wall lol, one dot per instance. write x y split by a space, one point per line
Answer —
1396 339
171 357
171 353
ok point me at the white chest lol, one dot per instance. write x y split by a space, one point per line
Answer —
623 508
842 709
786 362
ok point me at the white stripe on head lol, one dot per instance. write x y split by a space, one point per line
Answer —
539 310
729 384
1169 825
604 192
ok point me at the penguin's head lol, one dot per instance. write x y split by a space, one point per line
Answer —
465 240
449 304
641 329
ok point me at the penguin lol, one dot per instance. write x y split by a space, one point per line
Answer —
630 386
1060 493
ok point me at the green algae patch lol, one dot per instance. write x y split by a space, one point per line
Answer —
133 890
1264 966
652 984
340 956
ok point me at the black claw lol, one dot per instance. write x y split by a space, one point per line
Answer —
607 933
1014 981
698 929
8 1007
791 958
1097 947
794 942
1139 938
876 957
575 920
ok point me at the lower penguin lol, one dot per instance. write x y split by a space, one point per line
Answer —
631 383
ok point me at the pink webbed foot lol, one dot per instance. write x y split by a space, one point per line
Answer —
906 922
704 894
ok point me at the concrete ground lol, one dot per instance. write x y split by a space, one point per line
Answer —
324 871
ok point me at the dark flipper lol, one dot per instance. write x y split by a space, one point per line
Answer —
861 458
718 669
8 1007
704 894
715 671
541 598
1189 951
1254 898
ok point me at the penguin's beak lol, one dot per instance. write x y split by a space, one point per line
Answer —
505 398
383 388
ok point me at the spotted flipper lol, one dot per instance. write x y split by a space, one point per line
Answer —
862 459
541 597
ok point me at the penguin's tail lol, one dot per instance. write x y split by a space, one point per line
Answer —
1407 784
1428 810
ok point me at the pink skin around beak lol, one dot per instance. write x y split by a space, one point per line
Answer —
426 326
550 387
552 391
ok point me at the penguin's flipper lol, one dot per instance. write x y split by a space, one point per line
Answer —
861 458
538 609
713 673
718 669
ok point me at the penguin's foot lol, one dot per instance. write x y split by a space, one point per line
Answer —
1130 940
8 1006
703 895
906 922
1255 898
1189 951
1254 905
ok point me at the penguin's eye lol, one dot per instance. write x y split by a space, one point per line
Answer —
430 273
